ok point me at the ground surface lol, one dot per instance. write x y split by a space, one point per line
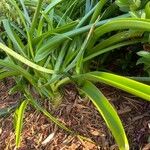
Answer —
81 116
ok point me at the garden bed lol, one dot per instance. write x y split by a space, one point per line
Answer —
52 54
81 116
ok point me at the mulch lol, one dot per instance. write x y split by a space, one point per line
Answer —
79 114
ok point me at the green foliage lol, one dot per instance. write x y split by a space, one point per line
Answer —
55 42
126 5
19 114
145 59
147 10
128 85
108 113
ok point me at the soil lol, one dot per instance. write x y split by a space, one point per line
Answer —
39 133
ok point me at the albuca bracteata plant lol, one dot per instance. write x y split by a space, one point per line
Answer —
52 43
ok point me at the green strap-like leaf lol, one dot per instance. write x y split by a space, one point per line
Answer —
25 11
120 24
51 5
19 70
118 37
19 122
13 36
24 60
8 74
35 17
108 113
123 83
98 10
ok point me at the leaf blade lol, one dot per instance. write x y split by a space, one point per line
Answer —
108 113
19 122
24 60
123 83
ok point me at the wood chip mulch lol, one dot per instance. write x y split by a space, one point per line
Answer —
39 133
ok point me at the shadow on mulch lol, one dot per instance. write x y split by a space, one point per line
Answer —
81 116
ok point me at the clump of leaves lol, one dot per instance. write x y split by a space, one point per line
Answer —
56 45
